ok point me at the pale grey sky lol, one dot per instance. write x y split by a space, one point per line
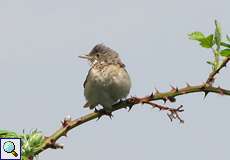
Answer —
41 76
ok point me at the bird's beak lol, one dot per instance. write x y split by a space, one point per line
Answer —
86 56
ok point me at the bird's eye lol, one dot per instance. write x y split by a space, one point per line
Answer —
97 55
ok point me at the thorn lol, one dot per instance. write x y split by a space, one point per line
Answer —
187 84
65 134
157 91
170 117
172 99
130 107
61 146
177 90
66 120
221 91
56 145
180 108
64 123
173 88
164 99
205 94
151 95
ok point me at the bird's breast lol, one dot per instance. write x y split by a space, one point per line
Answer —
110 75
111 80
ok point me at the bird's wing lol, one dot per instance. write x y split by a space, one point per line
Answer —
85 81
87 77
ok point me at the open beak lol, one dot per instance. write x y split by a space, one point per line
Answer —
85 56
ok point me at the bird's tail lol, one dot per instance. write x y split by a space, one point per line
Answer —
90 106
86 105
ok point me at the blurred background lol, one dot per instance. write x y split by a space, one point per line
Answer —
41 76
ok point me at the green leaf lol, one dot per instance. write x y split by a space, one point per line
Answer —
196 36
225 45
217 34
225 52
8 134
212 64
207 42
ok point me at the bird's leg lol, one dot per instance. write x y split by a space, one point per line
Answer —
106 112
121 100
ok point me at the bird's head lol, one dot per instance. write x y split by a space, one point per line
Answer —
102 54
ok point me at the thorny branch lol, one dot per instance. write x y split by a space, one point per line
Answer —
173 113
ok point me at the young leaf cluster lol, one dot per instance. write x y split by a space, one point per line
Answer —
30 142
220 48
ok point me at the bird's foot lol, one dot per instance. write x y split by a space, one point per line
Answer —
103 112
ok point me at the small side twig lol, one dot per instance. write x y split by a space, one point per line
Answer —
211 77
173 112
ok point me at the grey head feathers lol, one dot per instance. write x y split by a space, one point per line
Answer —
102 49
103 54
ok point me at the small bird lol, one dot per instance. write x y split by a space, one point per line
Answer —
107 80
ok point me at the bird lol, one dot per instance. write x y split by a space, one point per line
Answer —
107 81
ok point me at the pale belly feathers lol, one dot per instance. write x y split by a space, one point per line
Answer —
107 86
